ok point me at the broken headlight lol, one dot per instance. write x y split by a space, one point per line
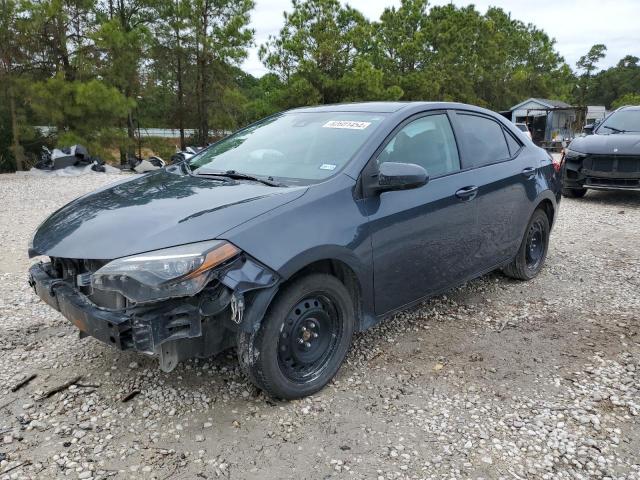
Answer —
171 272
573 155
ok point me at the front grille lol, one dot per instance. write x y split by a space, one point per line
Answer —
607 164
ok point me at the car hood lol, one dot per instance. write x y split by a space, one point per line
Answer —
614 144
158 210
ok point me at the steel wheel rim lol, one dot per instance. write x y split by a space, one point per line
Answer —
536 241
309 337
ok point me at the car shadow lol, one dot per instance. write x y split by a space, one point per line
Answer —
612 197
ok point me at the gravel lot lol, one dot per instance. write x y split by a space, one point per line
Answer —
498 379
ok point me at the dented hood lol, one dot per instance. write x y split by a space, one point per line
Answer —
613 144
158 210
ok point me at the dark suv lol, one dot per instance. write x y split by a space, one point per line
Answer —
288 236
607 158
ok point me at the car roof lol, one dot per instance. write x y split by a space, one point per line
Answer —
630 107
382 107
374 107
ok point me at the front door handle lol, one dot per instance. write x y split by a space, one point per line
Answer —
529 172
467 193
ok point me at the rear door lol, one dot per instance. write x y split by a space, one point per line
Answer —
505 180
422 238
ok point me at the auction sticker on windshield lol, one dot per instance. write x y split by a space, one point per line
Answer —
352 125
328 166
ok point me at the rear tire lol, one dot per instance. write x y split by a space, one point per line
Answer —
533 249
303 339
574 192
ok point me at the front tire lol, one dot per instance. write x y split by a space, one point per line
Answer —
303 339
574 192
533 249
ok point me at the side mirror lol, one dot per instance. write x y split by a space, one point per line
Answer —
401 176
588 129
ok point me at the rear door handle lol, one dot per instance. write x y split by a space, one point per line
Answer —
529 172
467 193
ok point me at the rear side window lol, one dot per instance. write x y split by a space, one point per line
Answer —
484 140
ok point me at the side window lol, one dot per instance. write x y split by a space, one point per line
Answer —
514 145
428 142
484 140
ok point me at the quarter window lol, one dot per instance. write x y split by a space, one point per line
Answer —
514 145
484 140
428 142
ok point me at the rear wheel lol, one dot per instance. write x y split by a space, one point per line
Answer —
303 339
533 249
574 192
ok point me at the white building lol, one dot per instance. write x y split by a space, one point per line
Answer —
595 113
548 120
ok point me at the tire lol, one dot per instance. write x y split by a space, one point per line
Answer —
574 192
533 249
303 339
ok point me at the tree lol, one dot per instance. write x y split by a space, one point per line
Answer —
83 112
613 83
221 36
122 38
323 53
11 57
403 50
171 55
628 99
588 64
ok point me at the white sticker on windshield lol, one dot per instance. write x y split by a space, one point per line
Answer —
352 125
327 166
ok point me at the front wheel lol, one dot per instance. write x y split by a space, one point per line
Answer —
303 339
533 249
574 192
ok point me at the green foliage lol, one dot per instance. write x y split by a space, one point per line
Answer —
627 99
82 108
588 64
320 53
327 53
614 83
97 70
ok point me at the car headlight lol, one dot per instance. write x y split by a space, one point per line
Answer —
167 273
573 155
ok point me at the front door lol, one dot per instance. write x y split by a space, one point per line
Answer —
423 238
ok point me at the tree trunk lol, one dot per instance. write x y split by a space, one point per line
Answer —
61 30
18 151
203 103
203 122
180 88
131 134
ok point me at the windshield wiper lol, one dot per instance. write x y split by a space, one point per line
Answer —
617 130
243 176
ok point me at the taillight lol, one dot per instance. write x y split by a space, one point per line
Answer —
557 161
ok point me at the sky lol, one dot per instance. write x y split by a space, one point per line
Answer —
575 24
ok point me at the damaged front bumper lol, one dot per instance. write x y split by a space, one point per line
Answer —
602 172
176 329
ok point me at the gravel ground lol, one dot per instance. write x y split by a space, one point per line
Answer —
498 379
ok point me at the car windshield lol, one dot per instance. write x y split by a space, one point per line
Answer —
293 147
622 121
522 127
